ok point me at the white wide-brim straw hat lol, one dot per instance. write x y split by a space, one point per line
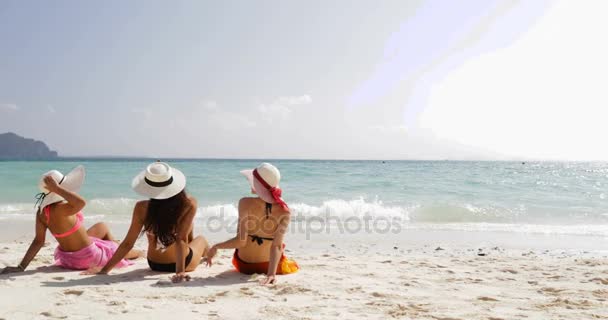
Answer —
159 181
71 181
270 174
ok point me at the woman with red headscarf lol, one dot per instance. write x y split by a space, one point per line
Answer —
263 221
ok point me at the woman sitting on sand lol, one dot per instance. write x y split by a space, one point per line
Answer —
60 212
263 221
167 218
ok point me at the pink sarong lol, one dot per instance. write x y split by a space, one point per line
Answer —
97 254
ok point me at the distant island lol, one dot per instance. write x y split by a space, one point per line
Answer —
15 147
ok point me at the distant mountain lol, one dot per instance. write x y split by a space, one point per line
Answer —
16 147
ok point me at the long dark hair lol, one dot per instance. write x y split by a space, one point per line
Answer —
163 216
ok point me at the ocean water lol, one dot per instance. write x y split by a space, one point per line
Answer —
535 197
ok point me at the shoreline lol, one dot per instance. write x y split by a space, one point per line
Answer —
23 231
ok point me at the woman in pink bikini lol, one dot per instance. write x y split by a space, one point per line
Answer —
60 212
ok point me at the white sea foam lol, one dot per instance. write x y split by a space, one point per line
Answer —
335 208
352 208
16 208
219 210
462 217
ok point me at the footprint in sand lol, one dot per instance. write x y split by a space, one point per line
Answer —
353 289
599 280
290 289
550 291
505 279
379 295
53 315
400 311
73 292
487 299
246 291
603 294
199 300
567 303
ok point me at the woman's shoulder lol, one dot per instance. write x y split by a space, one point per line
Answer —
141 206
193 201
248 201
142 203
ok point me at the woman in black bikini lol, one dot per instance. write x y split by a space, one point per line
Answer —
167 219
263 221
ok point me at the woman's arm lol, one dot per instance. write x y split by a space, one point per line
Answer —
181 244
127 244
32 251
276 249
239 241
74 202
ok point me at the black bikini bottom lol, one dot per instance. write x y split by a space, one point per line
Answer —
169 267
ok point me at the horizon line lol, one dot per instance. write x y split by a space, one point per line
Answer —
135 158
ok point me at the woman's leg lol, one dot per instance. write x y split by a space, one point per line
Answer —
199 248
134 254
100 230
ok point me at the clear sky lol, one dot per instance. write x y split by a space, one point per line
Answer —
342 79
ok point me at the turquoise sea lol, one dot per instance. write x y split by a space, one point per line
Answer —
533 197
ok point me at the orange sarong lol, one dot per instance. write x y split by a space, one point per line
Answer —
286 265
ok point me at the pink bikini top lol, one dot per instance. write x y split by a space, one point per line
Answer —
79 219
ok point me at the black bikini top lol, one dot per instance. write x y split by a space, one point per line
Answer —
259 240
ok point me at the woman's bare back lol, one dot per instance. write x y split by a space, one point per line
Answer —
261 228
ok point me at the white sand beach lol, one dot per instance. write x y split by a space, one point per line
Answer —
340 281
